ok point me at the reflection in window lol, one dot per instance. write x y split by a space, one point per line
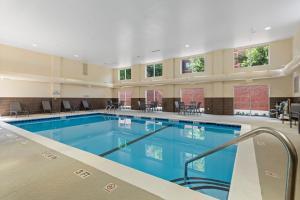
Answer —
154 151
194 132
198 165
152 125
124 123
122 142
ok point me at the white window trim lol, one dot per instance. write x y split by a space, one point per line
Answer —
125 74
249 47
187 58
154 76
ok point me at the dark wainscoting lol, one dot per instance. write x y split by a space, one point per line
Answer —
168 104
33 104
134 103
219 106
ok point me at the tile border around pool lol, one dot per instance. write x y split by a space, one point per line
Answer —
240 189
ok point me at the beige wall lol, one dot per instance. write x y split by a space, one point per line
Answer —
15 61
218 62
32 74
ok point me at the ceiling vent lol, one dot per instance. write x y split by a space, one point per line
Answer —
85 69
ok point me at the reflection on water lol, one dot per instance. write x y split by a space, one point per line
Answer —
154 151
198 165
193 132
152 125
122 142
124 123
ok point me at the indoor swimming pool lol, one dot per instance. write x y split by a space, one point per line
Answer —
159 147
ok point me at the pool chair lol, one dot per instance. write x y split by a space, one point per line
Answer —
46 106
16 109
142 106
294 114
121 105
67 106
86 105
109 105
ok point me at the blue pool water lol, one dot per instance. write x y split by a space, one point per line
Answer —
155 146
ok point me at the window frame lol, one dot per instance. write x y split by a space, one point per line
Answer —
189 58
249 47
125 71
154 69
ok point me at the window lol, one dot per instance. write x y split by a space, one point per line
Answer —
189 95
154 95
251 100
154 70
125 96
192 65
125 74
249 57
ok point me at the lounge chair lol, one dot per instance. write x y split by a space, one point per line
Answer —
86 105
67 106
46 106
16 109
121 105
109 105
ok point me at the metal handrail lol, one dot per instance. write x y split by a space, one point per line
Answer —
292 162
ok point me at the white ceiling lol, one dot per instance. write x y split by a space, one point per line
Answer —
116 32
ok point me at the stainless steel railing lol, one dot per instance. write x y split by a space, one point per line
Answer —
292 161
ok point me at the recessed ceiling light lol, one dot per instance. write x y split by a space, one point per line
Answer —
268 28
187 46
76 56
34 45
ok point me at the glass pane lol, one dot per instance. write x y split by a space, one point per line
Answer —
186 66
158 69
150 70
249 57
193 94
149 96
128 74
242 98
259 98
197 64
158 97
122 74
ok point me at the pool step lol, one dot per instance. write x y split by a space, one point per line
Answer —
198 184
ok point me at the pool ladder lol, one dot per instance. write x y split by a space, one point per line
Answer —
292 161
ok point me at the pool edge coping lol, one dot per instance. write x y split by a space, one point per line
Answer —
157 186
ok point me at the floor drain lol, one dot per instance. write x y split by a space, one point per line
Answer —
271 174
49 156
110 187
82 173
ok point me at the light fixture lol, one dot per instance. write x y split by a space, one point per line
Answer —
34 45
76 56
268 28
155 51
187 46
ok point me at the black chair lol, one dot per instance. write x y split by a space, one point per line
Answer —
46 106
198 108
109 105
67 106
86 105
16 109
121 105
294 114
142 106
